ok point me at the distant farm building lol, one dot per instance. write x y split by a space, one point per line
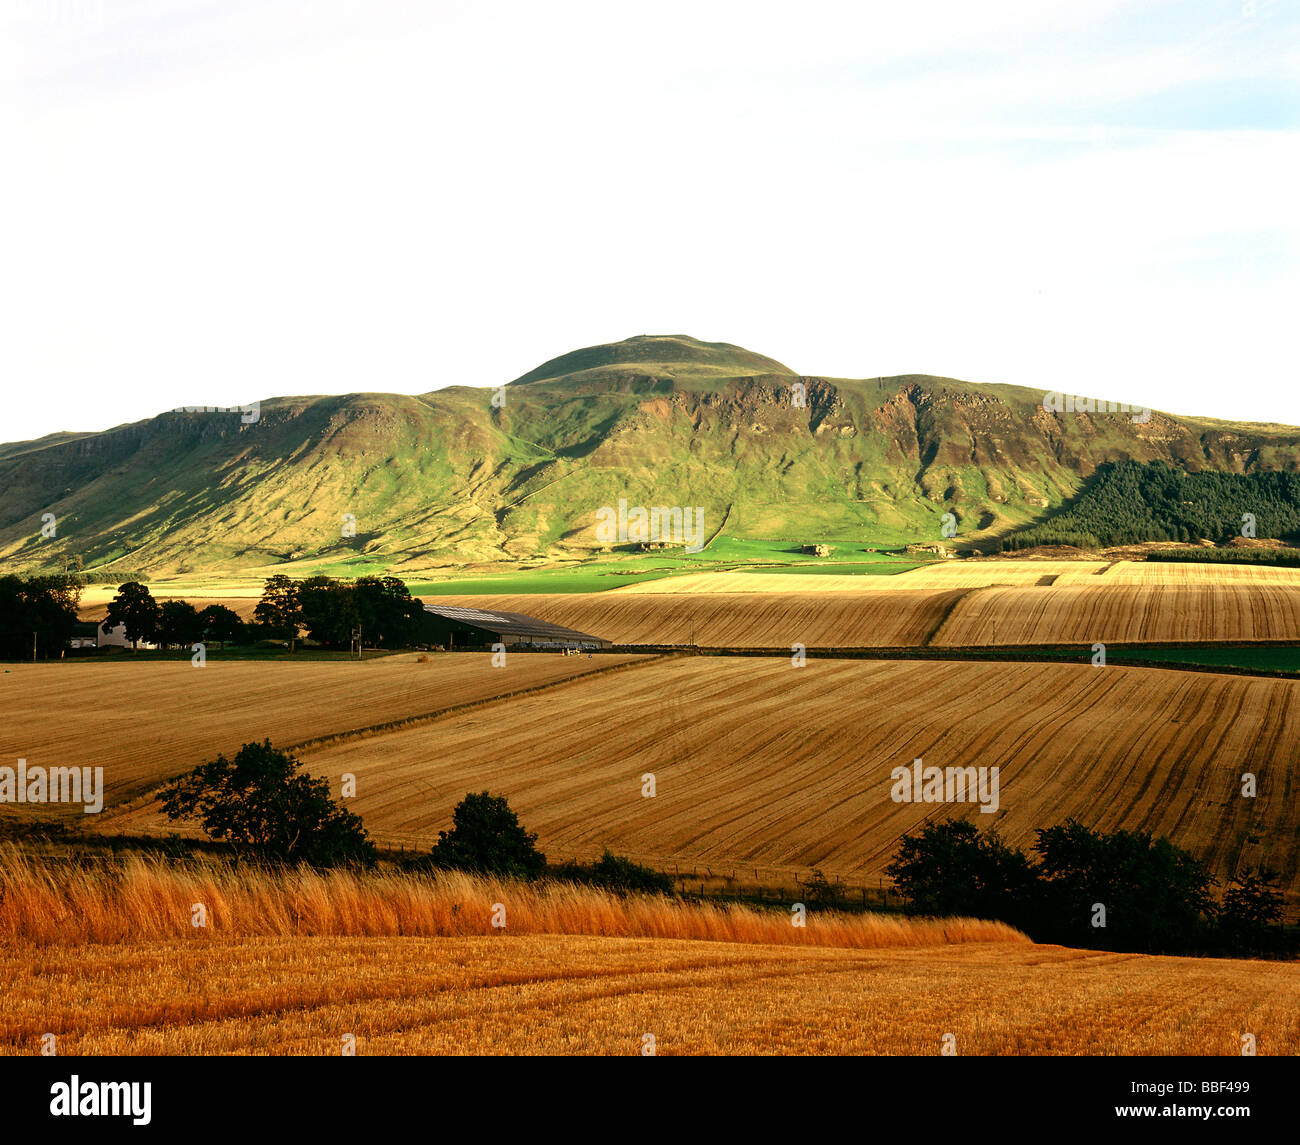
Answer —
937 549
116 638
479 628
85 634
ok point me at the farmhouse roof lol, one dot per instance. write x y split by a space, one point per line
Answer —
511 624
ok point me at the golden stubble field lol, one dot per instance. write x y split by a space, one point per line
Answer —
738 620
758 763
1127 612
149 721
104 958
981 573
557 994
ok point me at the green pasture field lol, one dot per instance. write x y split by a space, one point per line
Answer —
724 554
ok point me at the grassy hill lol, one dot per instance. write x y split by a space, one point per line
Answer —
466 478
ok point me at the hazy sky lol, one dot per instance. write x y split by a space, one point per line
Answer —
210 203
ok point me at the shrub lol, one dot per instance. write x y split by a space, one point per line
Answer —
486 837
1252 908
952 868
1156 895
264 805
618 874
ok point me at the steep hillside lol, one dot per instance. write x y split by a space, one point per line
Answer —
519 472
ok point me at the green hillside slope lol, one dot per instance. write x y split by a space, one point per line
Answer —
518 473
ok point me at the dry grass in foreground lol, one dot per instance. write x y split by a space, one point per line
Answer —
558 994
141 899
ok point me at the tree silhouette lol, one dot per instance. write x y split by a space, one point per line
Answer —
266 806
486 837
134 607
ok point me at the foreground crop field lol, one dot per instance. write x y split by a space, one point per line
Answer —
146 722
552 994
291 962
757 762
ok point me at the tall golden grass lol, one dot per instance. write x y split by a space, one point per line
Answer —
145 898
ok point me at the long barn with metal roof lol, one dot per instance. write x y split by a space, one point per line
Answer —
478 627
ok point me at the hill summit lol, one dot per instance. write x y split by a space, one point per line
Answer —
653 354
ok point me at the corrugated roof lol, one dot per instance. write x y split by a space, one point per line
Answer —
509 623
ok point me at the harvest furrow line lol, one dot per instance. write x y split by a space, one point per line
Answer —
958 597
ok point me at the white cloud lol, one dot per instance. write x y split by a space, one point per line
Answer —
214 203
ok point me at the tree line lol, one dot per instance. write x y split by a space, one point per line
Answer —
37 614
40 613
266 807
1128 502
1284 558
1121 890
329 610
325 609
173 623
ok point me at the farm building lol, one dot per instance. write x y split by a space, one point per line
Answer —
478 628
116 638
85 634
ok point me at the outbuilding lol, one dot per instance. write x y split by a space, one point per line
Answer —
478 628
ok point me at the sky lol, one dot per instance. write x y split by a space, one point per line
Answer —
215 203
